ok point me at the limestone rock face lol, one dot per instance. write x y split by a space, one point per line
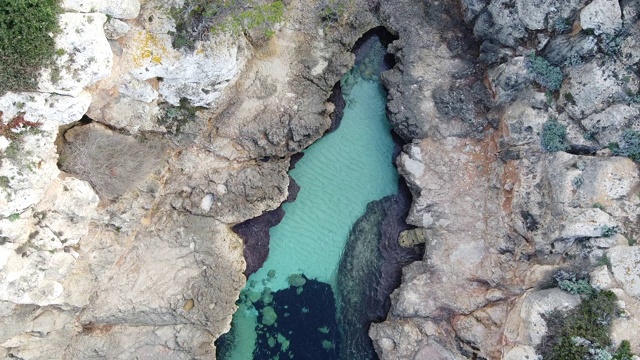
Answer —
122 9
34 149
434 90
597 85
499 213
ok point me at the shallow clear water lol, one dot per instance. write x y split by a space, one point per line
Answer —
338 176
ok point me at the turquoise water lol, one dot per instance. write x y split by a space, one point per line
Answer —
338 176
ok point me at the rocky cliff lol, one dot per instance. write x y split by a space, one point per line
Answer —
198 134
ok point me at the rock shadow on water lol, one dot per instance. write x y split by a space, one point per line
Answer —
255 232
370 269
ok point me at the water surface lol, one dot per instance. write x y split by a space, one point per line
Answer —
291 295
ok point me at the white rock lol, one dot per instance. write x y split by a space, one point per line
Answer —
114 28
30 172
625 265
603 16
87 55
521 352
4 143
206 203
600 278
582 223
127 113
52 110
123 9
199 76
69 205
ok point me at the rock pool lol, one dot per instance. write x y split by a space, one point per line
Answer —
288 309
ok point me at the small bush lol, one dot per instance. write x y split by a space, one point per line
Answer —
575 334
546 75
554 136
198 18
609 231
332 10
581 286
25 41
624 351
174 118
112 163
629 145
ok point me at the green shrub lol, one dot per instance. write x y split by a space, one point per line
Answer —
332 10
571 335
175 118
548 76
628 146
581 286
197 18
554 136
609 231
624 351
25 41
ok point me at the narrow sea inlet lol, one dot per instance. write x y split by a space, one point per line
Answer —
287 310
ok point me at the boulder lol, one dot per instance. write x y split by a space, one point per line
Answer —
602 16
85 55
625 266
596 85
508 80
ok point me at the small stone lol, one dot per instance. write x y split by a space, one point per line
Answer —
115 29
188 305
409 238
297 280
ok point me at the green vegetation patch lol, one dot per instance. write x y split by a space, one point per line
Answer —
628 146
198 18
25 41
546 75
583 332
554 136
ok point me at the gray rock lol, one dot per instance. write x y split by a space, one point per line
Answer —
500 22
115 29
508 80
472 8
595 86
564 49
608 125
603 16
435 89
625 266
209 186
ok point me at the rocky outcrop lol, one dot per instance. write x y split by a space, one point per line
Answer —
499 213
155 270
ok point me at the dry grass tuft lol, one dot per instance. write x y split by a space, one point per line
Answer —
112 163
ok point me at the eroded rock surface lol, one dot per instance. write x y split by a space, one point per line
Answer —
155 272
